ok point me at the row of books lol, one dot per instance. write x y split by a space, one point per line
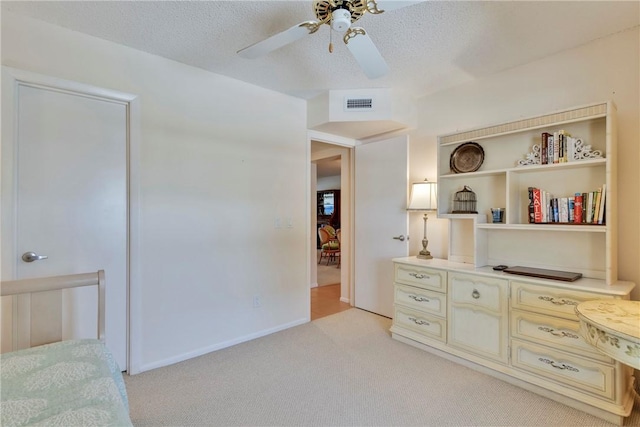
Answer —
558 147
581 208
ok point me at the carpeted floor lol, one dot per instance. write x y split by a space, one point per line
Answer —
328 274
341 370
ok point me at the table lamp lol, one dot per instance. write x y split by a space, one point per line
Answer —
423 198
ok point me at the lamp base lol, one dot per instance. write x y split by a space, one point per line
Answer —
424 255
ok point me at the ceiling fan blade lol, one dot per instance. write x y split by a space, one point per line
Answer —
366 53
380 6
272 43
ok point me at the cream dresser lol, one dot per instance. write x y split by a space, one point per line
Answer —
520 329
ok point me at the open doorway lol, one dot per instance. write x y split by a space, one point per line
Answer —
330 217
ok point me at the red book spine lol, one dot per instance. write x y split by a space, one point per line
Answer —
577 209
537 206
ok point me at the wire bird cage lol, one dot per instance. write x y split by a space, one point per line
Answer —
464 201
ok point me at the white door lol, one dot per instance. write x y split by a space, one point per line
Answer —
68 201
381 221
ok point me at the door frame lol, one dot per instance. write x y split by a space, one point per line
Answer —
12 78
347 290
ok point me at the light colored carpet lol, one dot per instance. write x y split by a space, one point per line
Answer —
328 274
341 370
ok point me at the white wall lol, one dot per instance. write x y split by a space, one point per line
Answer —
604 69
220 160
329 183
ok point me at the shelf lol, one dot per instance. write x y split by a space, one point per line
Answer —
529 169
480 218
501 182
494 172
546 227
560 166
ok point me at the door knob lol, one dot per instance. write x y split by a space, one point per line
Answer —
32 256
401 238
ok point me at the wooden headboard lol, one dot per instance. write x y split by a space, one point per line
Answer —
37 313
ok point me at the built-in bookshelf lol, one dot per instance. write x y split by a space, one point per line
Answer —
518 156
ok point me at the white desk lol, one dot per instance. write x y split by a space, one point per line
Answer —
613 327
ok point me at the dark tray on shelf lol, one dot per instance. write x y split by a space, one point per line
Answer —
566 276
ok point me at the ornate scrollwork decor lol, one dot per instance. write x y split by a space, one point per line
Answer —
532 158
583 152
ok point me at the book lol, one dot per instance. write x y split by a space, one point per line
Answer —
571 200
531 210
602 204
544 148
589 216
577 208
556 147
556 211
564 144
596 205
550 149
585 202
537 205
563 208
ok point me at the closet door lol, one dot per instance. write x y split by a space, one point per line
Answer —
67 162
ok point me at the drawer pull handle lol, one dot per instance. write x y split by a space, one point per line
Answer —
419 322
419 298
475 294
561 302
562 334
419 276
561 366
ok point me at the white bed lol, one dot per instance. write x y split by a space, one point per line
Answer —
47 381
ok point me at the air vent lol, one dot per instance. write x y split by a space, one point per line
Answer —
358 104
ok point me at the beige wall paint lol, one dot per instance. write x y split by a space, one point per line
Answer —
605 69
220 160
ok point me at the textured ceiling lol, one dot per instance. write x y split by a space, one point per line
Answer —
429 46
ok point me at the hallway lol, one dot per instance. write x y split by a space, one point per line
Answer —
325 300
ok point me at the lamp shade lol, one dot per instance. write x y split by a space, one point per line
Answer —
423 196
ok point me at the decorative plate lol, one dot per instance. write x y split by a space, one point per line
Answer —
467 157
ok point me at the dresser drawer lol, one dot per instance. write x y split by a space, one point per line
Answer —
564 368
425 324
421 299
547 300
553 331
481 292
426 278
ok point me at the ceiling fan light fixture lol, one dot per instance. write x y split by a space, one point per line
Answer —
340 20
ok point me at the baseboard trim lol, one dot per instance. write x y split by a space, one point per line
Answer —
190 355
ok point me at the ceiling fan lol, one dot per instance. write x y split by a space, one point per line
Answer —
339 15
